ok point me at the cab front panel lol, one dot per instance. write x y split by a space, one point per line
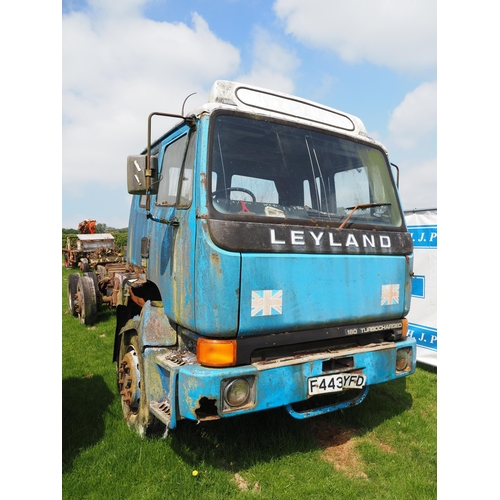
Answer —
284 292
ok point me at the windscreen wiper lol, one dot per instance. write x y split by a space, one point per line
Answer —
362 206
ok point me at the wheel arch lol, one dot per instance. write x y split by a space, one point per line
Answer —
152 326
138 296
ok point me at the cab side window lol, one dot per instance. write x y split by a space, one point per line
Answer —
170 170
176 172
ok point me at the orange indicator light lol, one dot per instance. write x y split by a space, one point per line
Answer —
404 329
216 353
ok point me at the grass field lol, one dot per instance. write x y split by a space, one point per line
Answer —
384 448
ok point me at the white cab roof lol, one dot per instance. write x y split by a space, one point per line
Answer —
248 98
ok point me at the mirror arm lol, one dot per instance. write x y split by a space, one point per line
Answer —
148 172
397 177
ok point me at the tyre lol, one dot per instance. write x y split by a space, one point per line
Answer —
132 389
72 290
93 276
84 265
87 302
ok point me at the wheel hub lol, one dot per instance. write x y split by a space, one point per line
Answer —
129 380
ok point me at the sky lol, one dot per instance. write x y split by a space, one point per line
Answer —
376 59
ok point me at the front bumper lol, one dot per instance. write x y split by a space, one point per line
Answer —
195 392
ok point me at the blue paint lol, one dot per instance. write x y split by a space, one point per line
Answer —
320 290
359 397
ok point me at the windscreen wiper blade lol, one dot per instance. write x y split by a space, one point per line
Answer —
361 206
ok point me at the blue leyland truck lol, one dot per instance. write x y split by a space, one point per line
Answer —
268 264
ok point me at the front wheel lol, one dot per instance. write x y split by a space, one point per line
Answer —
132 389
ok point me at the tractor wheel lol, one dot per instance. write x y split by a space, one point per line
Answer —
87 302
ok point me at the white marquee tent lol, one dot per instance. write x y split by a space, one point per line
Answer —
422 224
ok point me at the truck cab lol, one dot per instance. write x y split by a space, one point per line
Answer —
269 263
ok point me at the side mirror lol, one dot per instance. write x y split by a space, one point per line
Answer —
136 174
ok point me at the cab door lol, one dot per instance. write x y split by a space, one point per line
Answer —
172 227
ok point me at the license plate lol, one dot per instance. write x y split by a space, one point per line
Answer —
335 383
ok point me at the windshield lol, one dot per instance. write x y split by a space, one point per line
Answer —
267 169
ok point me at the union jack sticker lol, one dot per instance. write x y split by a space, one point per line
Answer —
266 302
390 295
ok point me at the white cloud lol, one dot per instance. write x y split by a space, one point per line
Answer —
112 8
412 145
399 35
118 67
273 66
415 119
418 184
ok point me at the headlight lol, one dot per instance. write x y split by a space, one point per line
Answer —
403 359
237 392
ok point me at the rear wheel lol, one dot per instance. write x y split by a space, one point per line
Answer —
72 290
131 387
87 302
93 276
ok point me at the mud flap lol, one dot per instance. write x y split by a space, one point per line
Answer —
328 409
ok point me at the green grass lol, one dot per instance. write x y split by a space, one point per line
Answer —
384 448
